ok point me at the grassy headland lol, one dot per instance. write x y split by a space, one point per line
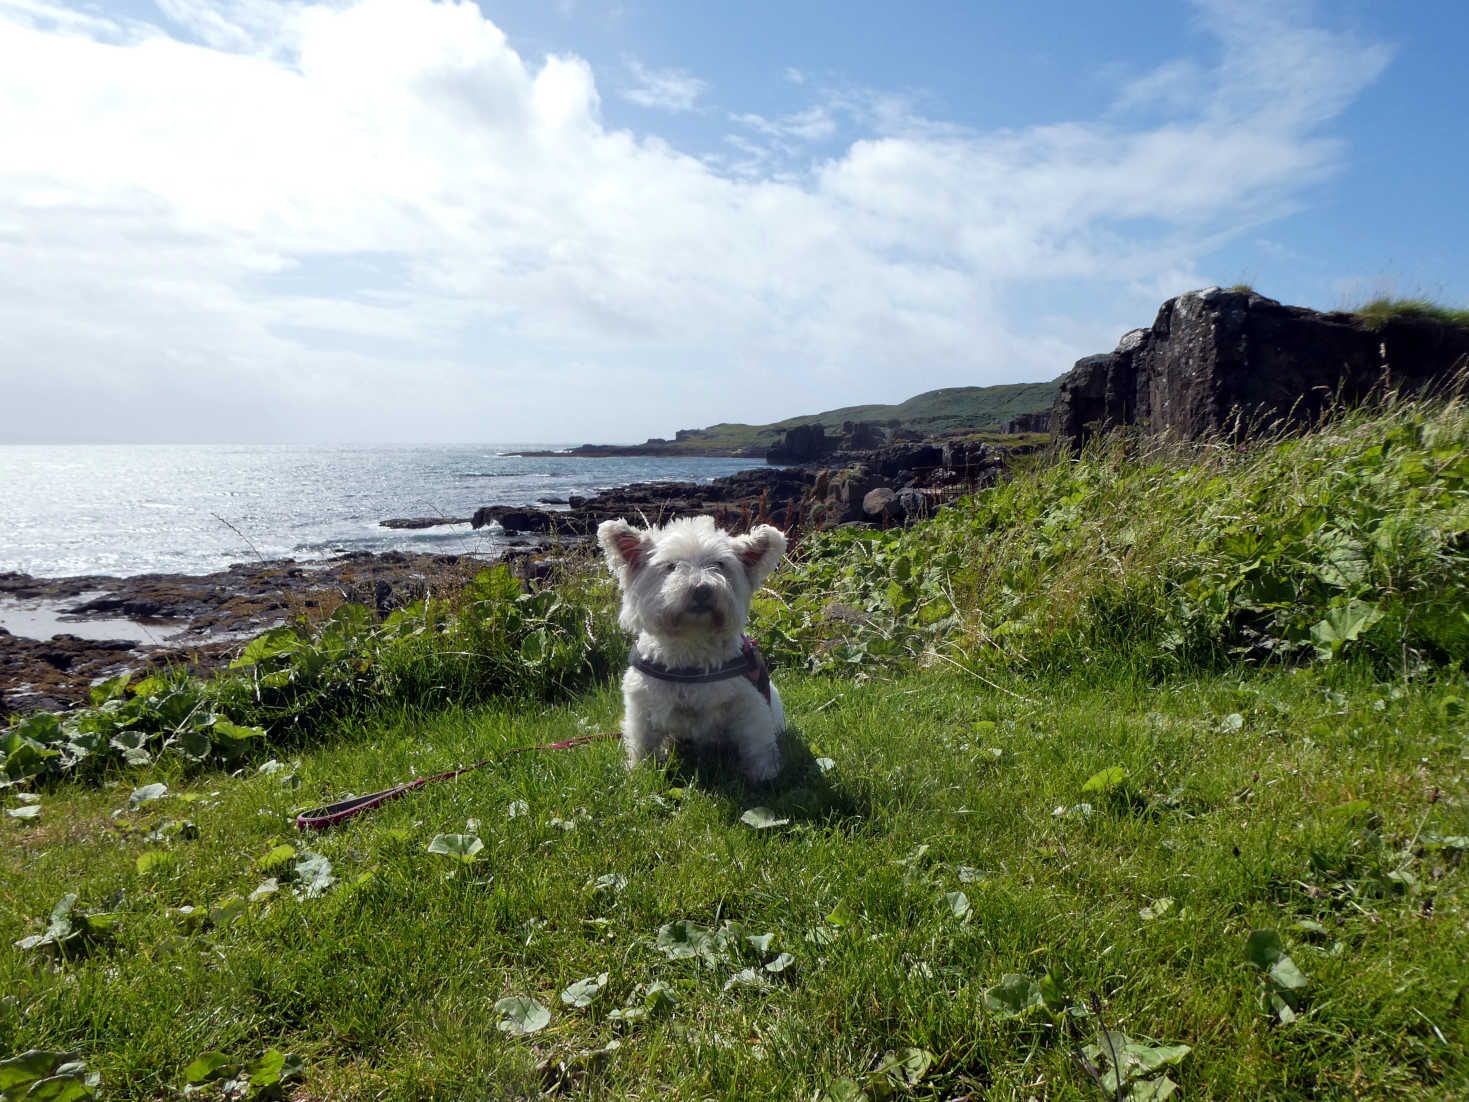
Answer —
932 413
1152 758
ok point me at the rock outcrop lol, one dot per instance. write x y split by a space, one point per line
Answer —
802 444
1226 361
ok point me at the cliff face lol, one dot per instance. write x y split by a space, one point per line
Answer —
1211 354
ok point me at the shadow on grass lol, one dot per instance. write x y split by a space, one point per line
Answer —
801 792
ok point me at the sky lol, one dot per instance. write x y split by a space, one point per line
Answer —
560 221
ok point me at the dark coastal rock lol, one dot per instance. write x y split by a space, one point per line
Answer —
916 504
863 435
802 444
773 493
421 522
1039 421
881 506
1230 361
844 491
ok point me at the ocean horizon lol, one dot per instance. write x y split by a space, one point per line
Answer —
128 509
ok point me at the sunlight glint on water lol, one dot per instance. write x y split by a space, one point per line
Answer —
134 509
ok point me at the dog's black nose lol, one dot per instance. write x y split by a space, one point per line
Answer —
702 593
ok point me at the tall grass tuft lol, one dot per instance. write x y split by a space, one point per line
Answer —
1382 310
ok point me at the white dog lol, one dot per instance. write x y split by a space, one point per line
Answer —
693 675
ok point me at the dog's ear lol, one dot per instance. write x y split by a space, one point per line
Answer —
760 551
626 547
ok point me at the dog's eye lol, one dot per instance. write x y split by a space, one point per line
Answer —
670 567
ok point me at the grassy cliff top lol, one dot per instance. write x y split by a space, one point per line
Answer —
934 411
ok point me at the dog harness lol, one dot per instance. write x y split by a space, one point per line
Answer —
750 664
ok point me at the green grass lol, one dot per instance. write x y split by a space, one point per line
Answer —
1259 802
1382 310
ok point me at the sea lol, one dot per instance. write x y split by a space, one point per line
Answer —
122 510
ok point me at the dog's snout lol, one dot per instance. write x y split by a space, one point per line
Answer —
702 592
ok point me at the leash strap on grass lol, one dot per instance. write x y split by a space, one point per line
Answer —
319 818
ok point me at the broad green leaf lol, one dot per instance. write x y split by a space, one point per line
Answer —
461 847
1150 1057
957 904
762 818
235 733
746 977
69 1084
192 744
281 640
190 918
521 1014
1108 780
583 992
761 943
844 1090
313 875
30 1067
682 939
1342 625
29 811
1014 996
904 1068
1344 560
842 915
535 647
274 1067
150 860
1151 1090
209 1066
111 689
1286 974
1263 948
780 963
277 858
1278 1003
147 794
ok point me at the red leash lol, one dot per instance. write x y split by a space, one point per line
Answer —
319 818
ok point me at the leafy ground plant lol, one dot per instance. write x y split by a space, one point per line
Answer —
52 1076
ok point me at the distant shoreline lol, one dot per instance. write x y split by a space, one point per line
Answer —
647 451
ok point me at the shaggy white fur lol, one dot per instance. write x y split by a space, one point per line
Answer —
686 595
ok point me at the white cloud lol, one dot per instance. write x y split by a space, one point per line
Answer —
665 89
811 125
380 221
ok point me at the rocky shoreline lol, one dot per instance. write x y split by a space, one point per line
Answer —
57 644
197 621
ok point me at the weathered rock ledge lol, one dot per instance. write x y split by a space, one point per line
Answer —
1217 361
